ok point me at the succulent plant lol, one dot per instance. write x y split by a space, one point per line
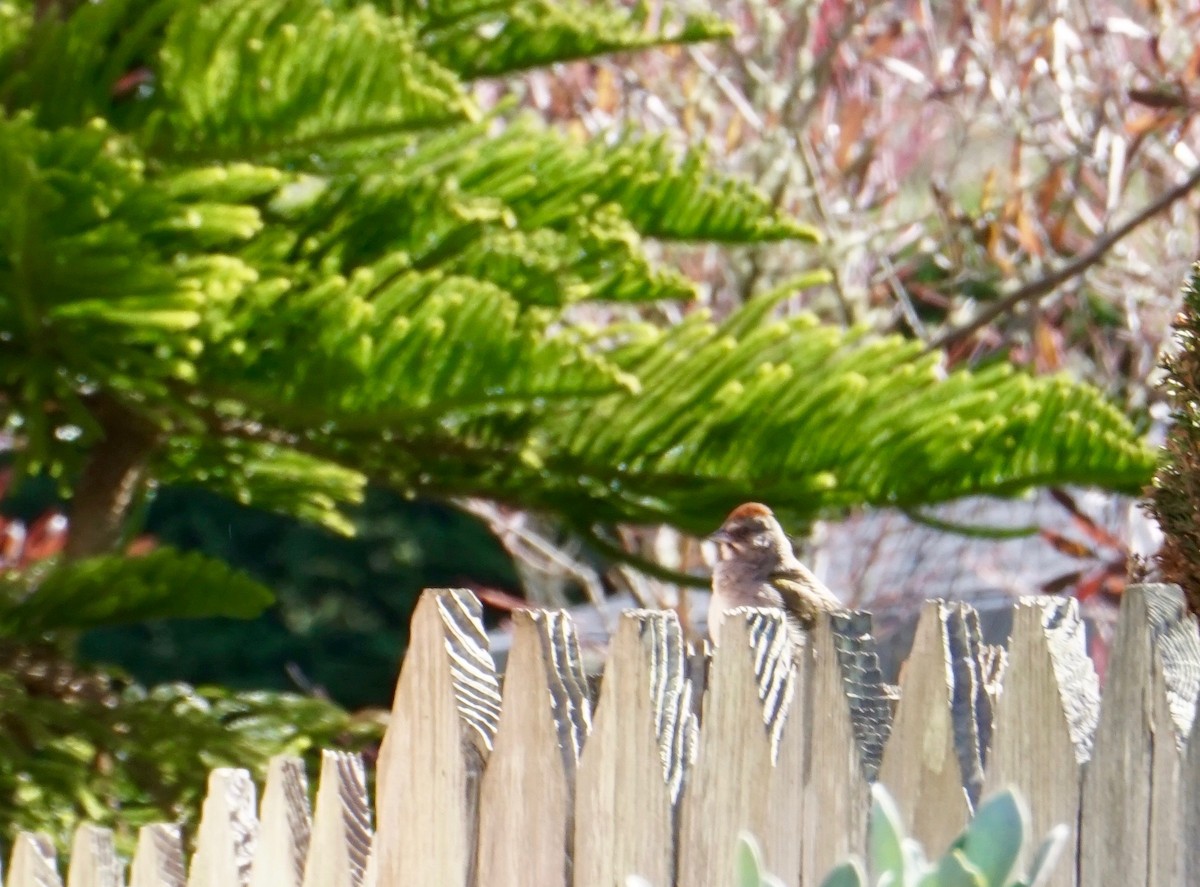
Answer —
984 855
749 865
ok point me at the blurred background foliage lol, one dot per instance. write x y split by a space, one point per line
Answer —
320 304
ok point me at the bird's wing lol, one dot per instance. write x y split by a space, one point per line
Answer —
802 590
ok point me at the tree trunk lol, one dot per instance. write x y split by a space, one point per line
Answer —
111 480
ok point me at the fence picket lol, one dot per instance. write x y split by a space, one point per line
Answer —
847 720
371 872
284 826
228 830
94 860
1191 800
526 797
633 765
1045 720
33 862
341 832
776 733
158 859
748 770
442 728
1131 795
933 763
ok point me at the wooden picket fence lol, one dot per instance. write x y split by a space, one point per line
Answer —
530 782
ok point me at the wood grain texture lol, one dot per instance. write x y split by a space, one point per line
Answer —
526 802
632 768
1131 795
228 831
443 724
158 859
1045 720
94 860
33 862
836 798
748 773
1176 681
866 695
371 872
341 835
284 826
933 763
1191 800
775 733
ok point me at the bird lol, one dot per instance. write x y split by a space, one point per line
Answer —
757 568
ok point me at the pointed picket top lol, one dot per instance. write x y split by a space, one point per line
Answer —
341 838
867 696
933 763
1177 654
748 773
228 831
1174 687
844 703
33 862
1045 719
284 826
1132 795
158 859
526 797
633 765
442 728
94 860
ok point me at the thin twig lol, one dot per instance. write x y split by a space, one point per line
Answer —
534 549
1047 284
642 564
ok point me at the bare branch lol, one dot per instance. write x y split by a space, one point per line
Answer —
1045 285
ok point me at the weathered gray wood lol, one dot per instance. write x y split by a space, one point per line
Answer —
158 859
443 725
371 872
933 763
1191 800
341 837
1131 796
847 718
1176 680
284 826
228 831
866 696
33 862
1045 719
748 774
632 769
526 799
94 860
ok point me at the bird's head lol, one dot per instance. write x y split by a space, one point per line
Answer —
751 532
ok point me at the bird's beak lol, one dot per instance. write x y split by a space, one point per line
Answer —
721 536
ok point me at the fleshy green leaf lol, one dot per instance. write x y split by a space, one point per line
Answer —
955 870
885 837
992 841
848 874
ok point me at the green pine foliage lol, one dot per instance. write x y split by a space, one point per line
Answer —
161 584
303 254
116 754
276 249
1174 497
